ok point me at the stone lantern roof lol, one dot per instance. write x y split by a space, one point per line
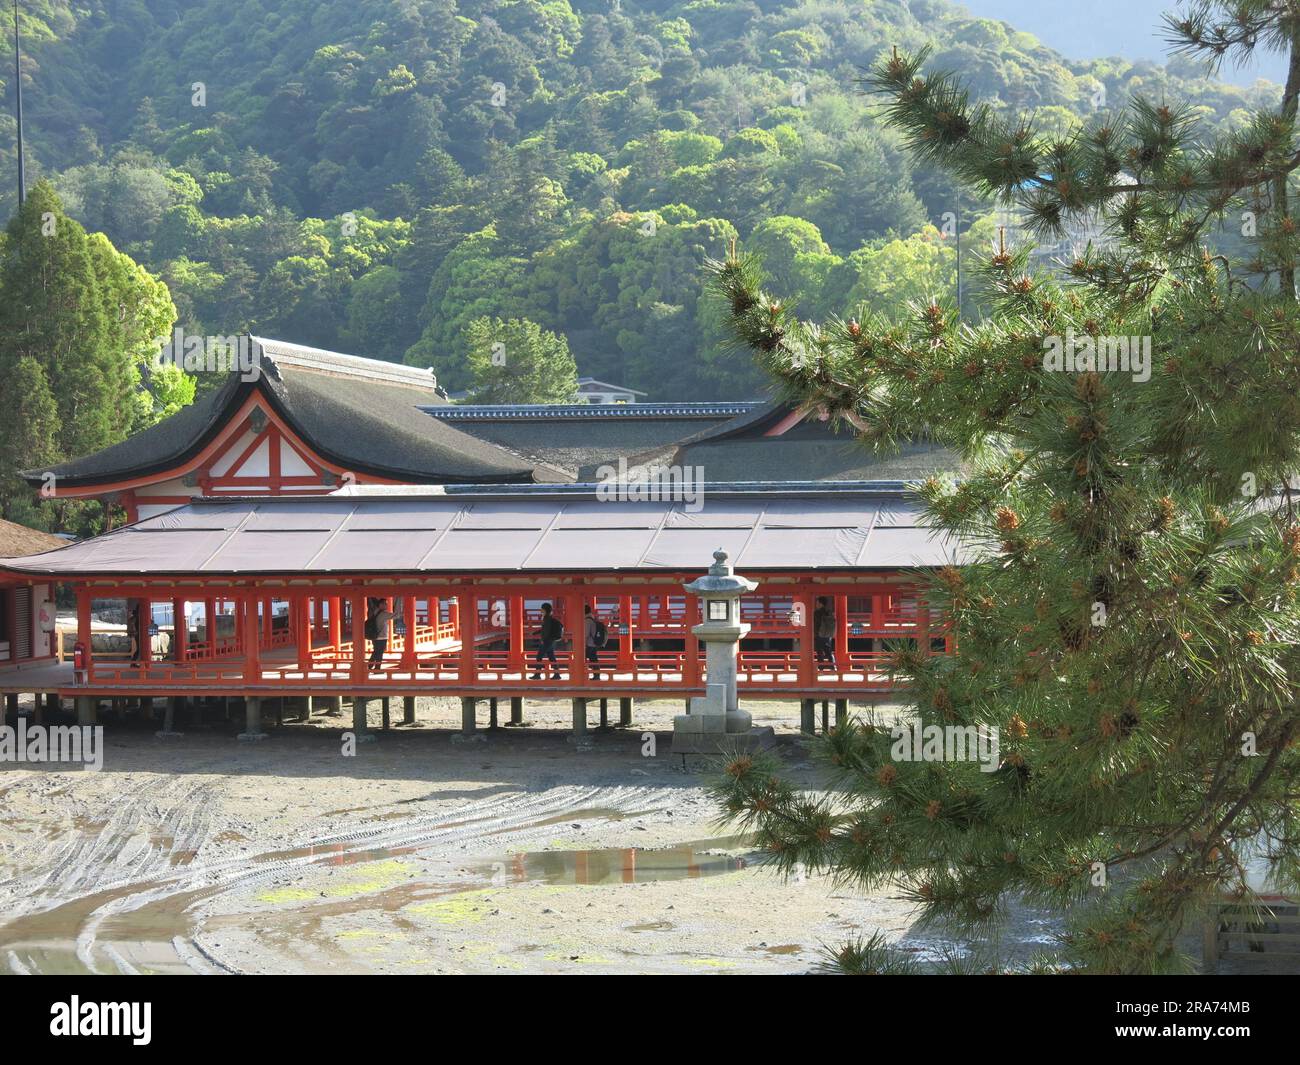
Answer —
721 579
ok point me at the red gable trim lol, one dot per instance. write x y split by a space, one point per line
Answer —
223 442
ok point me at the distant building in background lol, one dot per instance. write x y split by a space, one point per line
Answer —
592 391
1055 255
589 391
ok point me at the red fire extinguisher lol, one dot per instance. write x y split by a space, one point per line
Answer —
79 661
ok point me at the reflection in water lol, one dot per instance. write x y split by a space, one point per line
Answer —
101 931
620 865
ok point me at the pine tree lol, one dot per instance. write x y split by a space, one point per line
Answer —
1123 598
517 361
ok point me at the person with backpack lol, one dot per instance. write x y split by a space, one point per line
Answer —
824 632
548 635
377 618
597 633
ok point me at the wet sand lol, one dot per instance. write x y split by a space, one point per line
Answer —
522 853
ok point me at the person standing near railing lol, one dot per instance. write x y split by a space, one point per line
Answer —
596 635
548 634
824 633
377 619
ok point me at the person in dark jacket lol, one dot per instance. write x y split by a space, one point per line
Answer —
824 633
548 634
592 628
377 618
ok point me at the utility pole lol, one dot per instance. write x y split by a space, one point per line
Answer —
18 88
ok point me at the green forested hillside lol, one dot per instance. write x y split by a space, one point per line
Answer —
373 175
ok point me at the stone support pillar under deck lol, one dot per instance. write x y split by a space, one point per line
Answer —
468 725
174 703
360 713
252 720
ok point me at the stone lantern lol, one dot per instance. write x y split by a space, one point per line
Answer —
715 723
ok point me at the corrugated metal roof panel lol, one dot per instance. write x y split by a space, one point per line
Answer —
541 530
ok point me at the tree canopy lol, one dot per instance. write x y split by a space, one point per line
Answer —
1124 607
373 176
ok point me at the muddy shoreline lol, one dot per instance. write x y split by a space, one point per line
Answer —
200 854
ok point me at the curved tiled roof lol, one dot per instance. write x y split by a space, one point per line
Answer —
390 421
362 414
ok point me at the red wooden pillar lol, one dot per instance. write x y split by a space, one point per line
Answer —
180 630
807 658
358 638
300 606
465 608
842 632
516 611
923 625
408 641
252 652
142 615
625 660
691 653
336 622
83 627
576 627
210 625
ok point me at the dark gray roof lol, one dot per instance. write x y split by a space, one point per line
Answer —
781 458
581 444
758 419
157 448
528 529
362 414
377 428
390 421
589 412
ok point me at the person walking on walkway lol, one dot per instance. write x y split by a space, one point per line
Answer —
824 633
377 618
596 634
548 634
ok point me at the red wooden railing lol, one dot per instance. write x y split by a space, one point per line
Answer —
299 647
